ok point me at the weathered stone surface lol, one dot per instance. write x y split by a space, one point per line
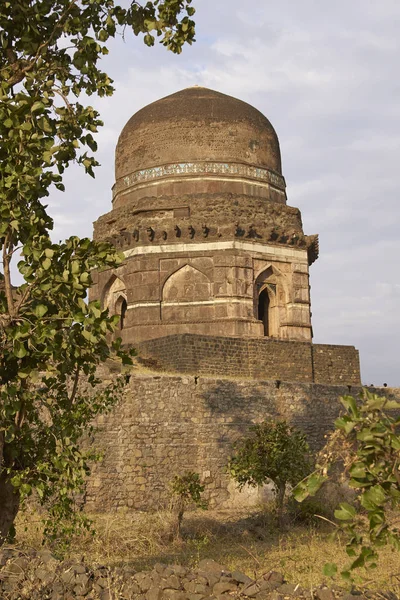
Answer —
324 594
154 593
214 412
59 581
223 587
242 578
209 565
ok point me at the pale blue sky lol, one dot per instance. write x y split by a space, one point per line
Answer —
327 76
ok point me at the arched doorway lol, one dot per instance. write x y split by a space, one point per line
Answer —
124 307
121 307
264 310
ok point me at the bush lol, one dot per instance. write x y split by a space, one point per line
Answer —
187 490
274 451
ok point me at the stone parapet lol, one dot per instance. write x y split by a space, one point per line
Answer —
254 358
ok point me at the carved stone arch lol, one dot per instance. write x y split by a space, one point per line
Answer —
270 294
269 272
187 296
187 284
113 290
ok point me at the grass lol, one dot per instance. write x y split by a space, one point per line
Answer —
243 540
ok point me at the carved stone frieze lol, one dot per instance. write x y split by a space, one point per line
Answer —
205 168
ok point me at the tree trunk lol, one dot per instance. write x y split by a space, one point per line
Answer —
280 497
9 506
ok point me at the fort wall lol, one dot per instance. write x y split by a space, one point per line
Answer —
167 425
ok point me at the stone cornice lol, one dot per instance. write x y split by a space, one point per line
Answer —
196 236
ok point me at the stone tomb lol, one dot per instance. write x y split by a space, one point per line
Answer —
215 285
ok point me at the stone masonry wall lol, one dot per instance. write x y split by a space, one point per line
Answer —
335 364
167 425
256 358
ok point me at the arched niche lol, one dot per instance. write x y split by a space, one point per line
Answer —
186 296
114 298
187 284
268 292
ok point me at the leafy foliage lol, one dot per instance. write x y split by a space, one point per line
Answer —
275 452
50 335
187 490
367 443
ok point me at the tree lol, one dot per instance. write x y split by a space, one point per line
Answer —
49 335
366 446
187 490
273 451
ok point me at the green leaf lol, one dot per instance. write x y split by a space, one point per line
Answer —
346 512
373 497
345 423
46 264
19 349
40 310
38 107
350 404
358 470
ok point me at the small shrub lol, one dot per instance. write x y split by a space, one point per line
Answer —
187 490
275 452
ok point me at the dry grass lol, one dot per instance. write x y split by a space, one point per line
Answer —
247 541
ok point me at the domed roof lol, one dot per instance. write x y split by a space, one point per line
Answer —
197 125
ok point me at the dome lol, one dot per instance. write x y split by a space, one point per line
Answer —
197 132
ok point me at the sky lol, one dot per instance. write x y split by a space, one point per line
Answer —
327 75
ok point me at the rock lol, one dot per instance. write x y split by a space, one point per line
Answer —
274 577
251 590
276 596
45 556
159 568
78 569
173 582
102 582
222 587
195 596
131 588
324 594
170 594
193 587
179 570
82 579
105 595
17 567
268 586
207 564
67 577
144 581
241 578
209 578
290 589
154 593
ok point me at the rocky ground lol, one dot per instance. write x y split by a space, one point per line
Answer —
37 575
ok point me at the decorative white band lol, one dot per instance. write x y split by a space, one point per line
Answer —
204 168
266 250
194 302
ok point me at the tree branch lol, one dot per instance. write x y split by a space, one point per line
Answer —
7 253
75 386
19 70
